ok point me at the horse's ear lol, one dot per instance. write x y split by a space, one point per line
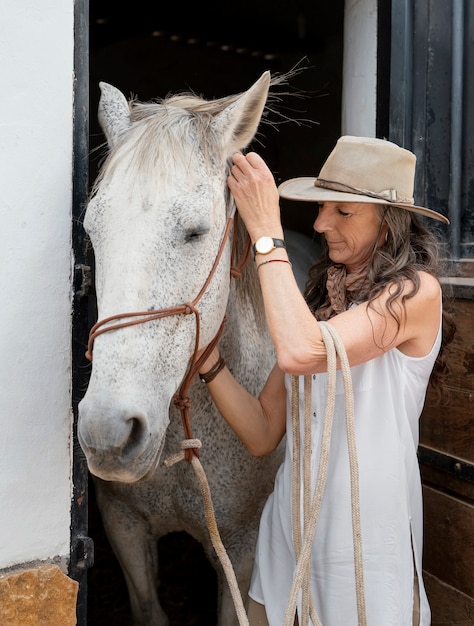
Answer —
237 124
113 114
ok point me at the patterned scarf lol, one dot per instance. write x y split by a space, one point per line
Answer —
343 289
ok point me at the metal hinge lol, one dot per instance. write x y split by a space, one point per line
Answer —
450 464
82 552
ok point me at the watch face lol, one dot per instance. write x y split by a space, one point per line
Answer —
264 245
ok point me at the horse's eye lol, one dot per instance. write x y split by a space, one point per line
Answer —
194 236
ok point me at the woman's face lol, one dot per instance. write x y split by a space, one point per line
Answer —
352 231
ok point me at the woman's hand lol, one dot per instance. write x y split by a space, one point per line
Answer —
256 195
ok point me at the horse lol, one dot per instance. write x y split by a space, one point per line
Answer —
165 239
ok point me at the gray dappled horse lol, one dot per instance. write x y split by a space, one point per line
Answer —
156 220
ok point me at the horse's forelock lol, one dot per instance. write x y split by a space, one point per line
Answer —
186 101
169 132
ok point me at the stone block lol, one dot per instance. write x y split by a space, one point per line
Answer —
37 597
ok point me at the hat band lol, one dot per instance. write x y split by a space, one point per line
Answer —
390 195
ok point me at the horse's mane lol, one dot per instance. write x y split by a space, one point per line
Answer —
248 286
179 120
186 100
178 130
194 104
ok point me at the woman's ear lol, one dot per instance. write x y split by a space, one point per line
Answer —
383 236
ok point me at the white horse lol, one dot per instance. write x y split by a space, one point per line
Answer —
156 220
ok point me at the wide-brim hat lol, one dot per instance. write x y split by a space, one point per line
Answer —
362 169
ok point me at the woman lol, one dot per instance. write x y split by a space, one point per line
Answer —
376 285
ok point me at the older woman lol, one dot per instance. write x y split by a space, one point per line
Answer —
376 284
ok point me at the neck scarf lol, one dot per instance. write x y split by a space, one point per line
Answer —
343 289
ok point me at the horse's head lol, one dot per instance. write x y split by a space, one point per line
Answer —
156 220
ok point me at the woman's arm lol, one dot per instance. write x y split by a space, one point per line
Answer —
258 422
366 331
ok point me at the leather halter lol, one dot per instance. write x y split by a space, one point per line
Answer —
181 400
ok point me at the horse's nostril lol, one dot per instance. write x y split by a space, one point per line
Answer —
137 437
137 431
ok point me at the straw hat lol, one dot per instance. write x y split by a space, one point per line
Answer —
362 169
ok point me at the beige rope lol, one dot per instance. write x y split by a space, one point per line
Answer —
306 595
332 343
212 525
354 472
296 483
296 468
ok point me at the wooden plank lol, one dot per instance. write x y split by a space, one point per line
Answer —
461 351
463 268
449 540
449 426
447 482
449 607
450 429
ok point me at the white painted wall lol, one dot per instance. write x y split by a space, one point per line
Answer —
359 76
36 76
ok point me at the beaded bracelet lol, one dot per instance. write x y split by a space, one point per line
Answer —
212 373
273 261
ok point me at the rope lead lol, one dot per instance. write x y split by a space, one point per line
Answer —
303 545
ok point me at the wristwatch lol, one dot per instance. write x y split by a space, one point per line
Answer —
264 245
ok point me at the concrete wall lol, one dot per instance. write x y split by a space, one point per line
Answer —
36 113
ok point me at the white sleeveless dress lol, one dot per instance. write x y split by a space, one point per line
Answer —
389 393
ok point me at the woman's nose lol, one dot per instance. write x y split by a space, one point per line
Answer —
321 223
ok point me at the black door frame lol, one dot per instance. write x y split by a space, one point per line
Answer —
81 551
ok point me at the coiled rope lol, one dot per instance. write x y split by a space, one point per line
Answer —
303 544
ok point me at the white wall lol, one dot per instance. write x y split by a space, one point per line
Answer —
36 76
359 68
